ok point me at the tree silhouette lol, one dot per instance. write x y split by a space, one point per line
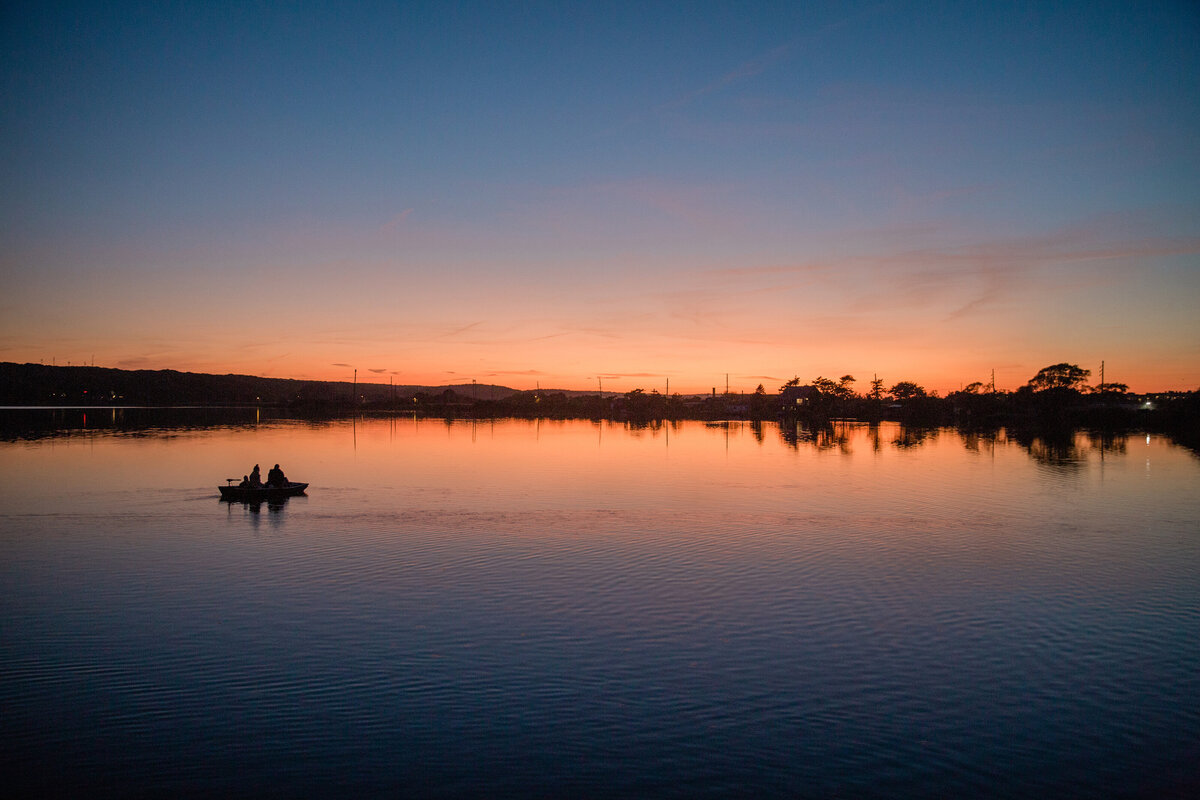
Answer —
1059 376
906 390
825 385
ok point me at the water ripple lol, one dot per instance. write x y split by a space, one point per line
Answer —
804 640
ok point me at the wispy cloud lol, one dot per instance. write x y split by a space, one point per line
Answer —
616 376
530 373
395 222
999 269
748 69
984 272
765 60
457 331
691 204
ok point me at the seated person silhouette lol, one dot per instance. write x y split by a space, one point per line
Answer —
255 477
275 477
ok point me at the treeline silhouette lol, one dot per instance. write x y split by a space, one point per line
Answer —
1057 396
43 385
1054 400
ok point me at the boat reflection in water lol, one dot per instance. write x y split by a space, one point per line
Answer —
274 506
253 497
251 510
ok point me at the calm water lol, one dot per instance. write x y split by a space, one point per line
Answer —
584 610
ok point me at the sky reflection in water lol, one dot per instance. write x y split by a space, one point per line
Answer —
569 607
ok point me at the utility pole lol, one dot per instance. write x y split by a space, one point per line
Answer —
726 383
1102 376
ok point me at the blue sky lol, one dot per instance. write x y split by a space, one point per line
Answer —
532 192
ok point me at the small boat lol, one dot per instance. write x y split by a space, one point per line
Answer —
264 492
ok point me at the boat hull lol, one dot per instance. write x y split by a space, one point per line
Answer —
289 489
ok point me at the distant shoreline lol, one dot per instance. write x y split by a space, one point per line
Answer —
34 387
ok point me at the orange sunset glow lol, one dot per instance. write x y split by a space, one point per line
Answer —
763 195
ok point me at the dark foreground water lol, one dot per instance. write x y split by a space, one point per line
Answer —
584 610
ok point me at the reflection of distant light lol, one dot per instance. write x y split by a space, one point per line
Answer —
1147 438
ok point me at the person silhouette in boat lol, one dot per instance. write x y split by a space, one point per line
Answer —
276 478
255 477
245 484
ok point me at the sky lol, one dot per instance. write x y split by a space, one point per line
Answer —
626 195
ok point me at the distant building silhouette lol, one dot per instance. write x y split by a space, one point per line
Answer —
794 398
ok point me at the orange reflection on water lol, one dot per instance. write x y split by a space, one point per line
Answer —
398 466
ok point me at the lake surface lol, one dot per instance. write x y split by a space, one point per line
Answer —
579 609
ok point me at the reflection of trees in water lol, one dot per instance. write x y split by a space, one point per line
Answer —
979 441
638 425
914 436
839 435
1061 448
829 435
834 436
1108 442
1055 453
1052 447
794 432
50 423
